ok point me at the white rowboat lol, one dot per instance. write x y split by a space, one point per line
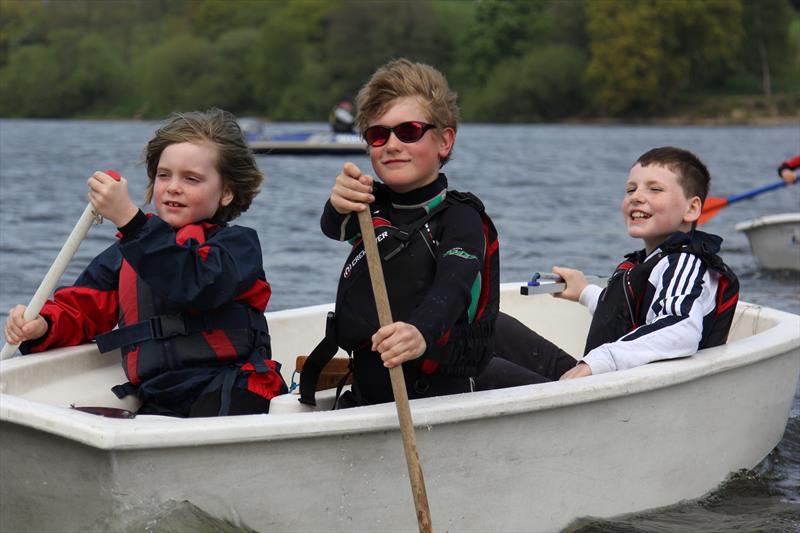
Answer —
774 240
529 458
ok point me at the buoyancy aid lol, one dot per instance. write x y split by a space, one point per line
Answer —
623 304
156 336
468 345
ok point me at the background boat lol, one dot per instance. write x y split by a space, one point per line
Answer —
774 240
538 456
305 143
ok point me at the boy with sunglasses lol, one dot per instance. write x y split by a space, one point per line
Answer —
438 248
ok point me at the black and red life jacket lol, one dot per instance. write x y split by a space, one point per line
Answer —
156 336
408 256
624 302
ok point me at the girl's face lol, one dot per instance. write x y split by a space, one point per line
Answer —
403 166
188 187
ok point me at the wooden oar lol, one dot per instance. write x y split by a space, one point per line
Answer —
396 375
58 267
713 205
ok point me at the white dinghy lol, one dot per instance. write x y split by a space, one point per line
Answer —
529 458
774 240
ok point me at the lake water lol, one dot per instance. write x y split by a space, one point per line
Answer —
552 190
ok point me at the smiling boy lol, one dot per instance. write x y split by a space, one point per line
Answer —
671 298
438 247
668 300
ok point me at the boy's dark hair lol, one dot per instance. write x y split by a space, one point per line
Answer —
234 160
693 175
400 78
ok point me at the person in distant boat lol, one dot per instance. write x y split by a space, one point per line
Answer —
788 170
186 289
665 301
439 246
341 117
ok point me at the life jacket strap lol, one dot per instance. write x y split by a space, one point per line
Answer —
166 326
316 361
125 389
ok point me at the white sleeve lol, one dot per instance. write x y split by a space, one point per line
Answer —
590 296
683 294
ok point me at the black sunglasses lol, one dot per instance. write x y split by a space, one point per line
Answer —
408 132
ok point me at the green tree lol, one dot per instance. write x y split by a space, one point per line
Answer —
29 83
181 74
361 35
544 84
91 75
767 49
237 49
643 53
501 30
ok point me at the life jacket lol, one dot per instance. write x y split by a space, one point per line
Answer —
621 307
156 336
468 345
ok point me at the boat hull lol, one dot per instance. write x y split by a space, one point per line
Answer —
774 240
528 458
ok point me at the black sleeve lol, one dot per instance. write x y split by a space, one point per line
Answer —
338 226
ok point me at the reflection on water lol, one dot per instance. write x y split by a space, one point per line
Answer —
553 192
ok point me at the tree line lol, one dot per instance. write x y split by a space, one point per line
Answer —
509 60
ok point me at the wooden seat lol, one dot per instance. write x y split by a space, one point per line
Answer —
332 373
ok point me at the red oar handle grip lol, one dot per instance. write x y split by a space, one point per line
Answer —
114 174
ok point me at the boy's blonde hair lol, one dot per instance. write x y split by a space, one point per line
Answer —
234 160
401 78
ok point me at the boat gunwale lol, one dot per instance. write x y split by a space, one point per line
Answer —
164 432
768 220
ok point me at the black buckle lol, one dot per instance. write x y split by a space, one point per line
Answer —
165 326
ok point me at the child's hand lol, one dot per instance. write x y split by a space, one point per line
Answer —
578 371
18 330
575 283
352 190
110 198
397 343
789 176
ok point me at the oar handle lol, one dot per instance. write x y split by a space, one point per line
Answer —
755 192
58 267
396 375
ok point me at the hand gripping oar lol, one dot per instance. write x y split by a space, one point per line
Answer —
712 206
58 267
396 375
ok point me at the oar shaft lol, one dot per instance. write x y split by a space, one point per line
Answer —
396 375
57 269
755 192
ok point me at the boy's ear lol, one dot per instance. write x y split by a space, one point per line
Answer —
694 210
227 197
446 139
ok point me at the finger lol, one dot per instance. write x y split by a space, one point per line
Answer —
367 180
12 333
347 192
345 182
349 169
380 336
30 328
